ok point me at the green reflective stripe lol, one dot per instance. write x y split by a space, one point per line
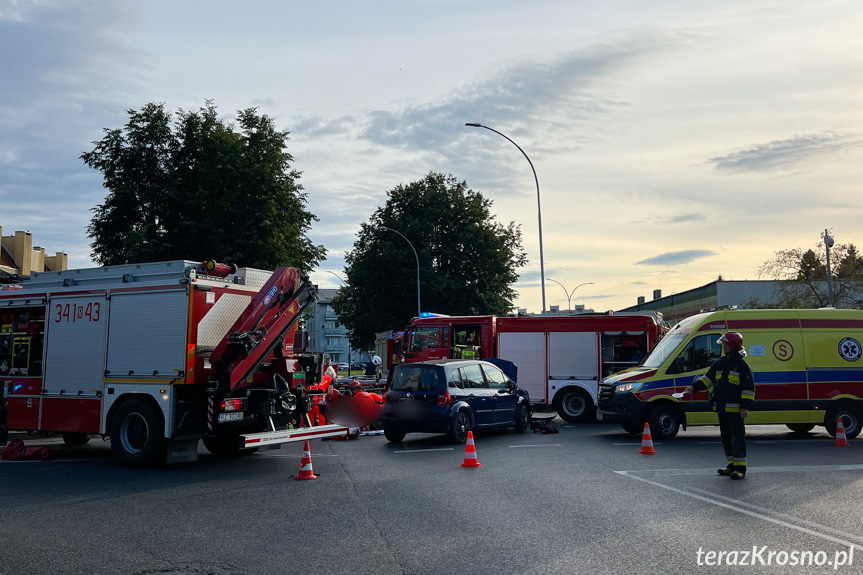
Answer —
740 462
747 395
732 409
734 380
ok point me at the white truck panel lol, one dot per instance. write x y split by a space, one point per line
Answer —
75 342
527 352
147 338
572 355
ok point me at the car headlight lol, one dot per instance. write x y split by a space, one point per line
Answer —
628 387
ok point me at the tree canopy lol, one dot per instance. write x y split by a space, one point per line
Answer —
805 276
468 262
197 187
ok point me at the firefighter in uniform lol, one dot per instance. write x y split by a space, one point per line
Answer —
731 387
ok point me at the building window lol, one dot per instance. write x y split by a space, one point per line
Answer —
332 342
330 324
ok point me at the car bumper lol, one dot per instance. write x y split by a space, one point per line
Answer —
623 408
431 425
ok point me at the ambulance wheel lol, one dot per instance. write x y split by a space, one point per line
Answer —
850 420
634 428
75 439
664 420
137 434
227 446
574 405
800 428
394 436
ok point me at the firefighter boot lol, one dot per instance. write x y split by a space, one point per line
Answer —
738 474
728 470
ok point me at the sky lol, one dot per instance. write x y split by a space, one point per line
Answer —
673 141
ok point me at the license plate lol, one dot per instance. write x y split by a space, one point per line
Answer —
233 416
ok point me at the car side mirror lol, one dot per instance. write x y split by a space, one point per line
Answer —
506 389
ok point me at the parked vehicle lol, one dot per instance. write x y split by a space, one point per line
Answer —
159 356
807 365
452 397
559 359
344 368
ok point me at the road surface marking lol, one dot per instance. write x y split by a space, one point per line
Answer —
540 445
424 450
631 443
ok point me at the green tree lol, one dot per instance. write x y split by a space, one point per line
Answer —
197 187
804 276
468 262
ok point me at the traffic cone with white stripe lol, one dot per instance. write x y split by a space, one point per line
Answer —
647 442
841 441
470 459
306 464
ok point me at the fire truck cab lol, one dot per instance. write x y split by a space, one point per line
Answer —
159 356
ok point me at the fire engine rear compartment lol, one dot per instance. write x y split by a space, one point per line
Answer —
133 360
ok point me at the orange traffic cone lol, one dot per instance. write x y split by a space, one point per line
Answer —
306 464
841 441
647 442
470 459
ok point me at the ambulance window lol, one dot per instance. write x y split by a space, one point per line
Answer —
699 353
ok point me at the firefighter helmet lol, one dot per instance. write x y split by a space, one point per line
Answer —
733 339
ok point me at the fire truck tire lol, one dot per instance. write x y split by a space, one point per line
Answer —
75 439
801 428
522 420
850 415
394 436
137 436
228 446
633 428
460 426
664 420
575 405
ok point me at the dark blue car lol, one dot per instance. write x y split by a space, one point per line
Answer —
452 397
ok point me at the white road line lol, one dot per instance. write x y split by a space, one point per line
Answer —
739 509
633 443
542 445
781 441
424 450
295 456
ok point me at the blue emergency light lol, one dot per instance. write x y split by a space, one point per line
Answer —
429 314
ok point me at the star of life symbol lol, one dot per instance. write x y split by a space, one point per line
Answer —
849 349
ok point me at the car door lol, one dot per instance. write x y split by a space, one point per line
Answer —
504 394
479 397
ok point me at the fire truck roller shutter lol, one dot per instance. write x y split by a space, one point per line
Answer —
147 335
527 352
75 342
573 370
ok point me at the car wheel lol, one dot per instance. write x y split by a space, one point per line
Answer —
664 421
633 428
801 428
522 421
460 427
137 434
75 439
394 436
850 420
576 406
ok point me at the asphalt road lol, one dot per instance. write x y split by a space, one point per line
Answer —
581 501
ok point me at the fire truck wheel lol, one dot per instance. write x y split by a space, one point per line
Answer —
227 446
664 421
394 436
522 421
137 434
801 428
575 405
75 439
850 420
460 426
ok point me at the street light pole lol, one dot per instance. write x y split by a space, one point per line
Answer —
828 243
418 264
538 205
568 293
349 337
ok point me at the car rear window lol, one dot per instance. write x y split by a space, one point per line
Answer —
417 378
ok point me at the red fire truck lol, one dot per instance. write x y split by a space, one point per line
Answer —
559 359
159 356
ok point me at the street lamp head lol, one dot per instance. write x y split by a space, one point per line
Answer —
473 125
828 241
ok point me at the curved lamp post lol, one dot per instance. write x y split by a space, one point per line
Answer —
569 293
418 264
538 206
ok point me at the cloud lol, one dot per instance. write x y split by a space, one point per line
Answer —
678 219
676 258
783 153
638 283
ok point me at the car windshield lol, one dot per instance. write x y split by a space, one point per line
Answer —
671 342
415 378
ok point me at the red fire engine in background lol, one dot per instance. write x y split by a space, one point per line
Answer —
559 359
159 356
